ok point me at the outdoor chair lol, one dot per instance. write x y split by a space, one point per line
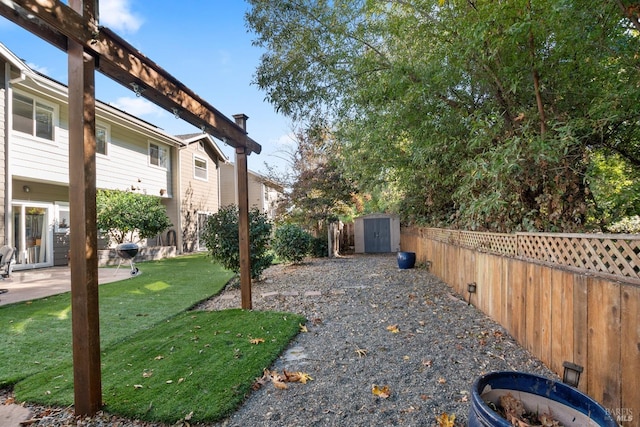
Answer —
6 258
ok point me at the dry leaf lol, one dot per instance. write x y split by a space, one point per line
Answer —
361 352
147 374
256 341
279 384
159 357
9 401
446 420
303 328
304 377
442 381
382 392
137 386
393 329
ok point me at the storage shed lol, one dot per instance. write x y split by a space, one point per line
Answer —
377 233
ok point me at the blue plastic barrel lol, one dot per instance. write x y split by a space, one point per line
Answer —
566 404
406 260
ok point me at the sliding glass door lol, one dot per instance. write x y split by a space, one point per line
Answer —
32 233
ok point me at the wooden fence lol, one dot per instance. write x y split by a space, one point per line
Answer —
564 297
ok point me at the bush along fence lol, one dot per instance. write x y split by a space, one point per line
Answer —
564 297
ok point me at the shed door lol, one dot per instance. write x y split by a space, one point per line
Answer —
377 235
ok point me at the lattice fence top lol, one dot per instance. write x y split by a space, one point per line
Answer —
611 254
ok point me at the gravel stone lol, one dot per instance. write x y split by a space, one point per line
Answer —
441 346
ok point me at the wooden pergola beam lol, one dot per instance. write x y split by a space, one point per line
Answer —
57 23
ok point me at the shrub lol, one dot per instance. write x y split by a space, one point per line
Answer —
291 243
319 247
220 235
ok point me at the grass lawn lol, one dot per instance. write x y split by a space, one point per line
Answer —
160 361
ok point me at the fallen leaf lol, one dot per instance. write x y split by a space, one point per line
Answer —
393 329
279 384
137 386
427 363
442 381
303 328
169 381
446 420
304 377
382 392
361 352
9 401
256 341
159 357
147 374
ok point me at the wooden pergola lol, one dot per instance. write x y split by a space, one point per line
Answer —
75 29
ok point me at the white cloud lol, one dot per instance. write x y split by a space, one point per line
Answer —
38 68
138 107
116 15
288 139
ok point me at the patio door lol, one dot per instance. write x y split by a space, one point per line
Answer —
32 234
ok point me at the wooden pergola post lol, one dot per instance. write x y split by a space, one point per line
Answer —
242 177
87 382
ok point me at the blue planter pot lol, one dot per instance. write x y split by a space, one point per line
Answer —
406 260
566 404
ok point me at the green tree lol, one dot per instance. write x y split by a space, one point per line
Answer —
124 215
483 115
221 238
320 192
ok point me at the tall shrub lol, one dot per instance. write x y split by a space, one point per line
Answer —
291 243
221 238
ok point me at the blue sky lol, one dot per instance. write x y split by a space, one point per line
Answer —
204 44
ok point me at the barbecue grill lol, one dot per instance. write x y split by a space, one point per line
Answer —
128 251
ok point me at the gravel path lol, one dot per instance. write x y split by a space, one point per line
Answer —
441 346
369 323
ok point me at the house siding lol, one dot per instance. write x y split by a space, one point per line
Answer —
3 148
227 185
198 196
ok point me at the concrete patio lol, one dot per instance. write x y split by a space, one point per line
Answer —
26 285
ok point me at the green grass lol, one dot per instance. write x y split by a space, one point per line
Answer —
159 361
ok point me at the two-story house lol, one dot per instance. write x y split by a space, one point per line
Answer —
131 155
200 160
264 194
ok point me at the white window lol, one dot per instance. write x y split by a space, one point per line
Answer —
62 216
102 139
33 116
158 155
200 168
